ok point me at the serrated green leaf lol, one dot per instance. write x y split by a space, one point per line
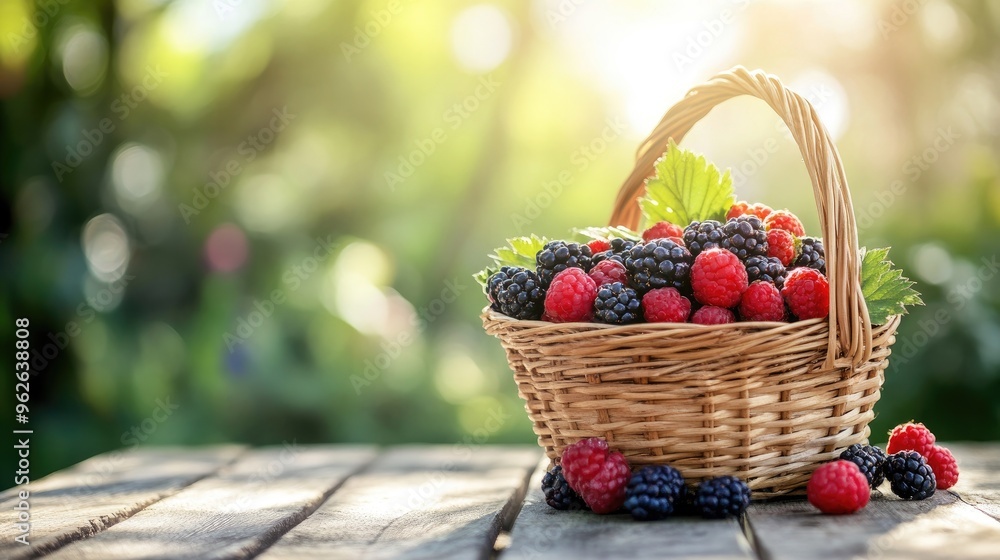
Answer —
686 187
520 251
609 232
887 292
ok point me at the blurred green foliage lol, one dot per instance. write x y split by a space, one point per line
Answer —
268 211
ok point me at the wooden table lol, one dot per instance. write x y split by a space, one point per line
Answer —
440 502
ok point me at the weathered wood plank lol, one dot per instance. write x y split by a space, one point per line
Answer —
979 476
542 532
417 502
102 491
236 513
941 527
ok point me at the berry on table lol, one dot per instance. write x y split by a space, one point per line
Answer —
665 305
661 263
783 219
838 488
869 459
718 278
723 496
811 255
745 237
617 304
911 436
807 293
945 468
662 230
608 272
557 492
517 293
768 269
762 302
570 298
654 492
909 475
557 256
699 236
600 476
712 315
781 245
599 246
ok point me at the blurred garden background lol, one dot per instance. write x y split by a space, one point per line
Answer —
257 220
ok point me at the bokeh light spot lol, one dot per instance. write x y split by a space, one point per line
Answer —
932 263
137 176
481 38
226 248
83 52
106 247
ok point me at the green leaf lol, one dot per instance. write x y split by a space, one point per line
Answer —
887 292
610 232
520 251
686 187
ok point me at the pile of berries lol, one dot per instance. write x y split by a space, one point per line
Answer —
757 266
915 468
593 476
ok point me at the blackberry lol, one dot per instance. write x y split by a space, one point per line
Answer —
661 263
868 458
745 236
811 255
724 496
517 293
557 492
699 236
617 304
910 476
768 269
615 253
557 256
654 492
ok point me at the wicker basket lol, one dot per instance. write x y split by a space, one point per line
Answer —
767 402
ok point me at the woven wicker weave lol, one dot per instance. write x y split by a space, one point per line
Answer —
767 402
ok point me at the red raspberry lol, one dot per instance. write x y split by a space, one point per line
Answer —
838 487
661 230
911 437
762 302
665 305
742 207
945 467
600 476
599 246
571 297
783 219
609 272
678 240
712 315
807 293
718 278
781 244
739 208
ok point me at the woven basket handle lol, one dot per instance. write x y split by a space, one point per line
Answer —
849 321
